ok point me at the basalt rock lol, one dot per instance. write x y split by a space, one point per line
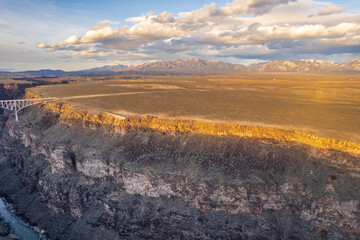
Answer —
82 183
5 229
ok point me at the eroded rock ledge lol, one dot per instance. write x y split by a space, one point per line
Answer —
91 183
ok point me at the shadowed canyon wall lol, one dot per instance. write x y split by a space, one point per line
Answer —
145 178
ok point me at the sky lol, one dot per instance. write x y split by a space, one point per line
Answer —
81 34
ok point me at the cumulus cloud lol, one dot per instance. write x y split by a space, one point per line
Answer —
98 34
263 34
255 7
101 25
71 40
239 29
164 17
42 45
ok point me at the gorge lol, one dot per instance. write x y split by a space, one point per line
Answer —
81 181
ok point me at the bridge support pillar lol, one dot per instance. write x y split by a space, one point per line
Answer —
17 105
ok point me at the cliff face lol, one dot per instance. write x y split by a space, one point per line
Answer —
95 183
12 90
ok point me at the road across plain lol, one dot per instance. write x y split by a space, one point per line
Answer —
324 105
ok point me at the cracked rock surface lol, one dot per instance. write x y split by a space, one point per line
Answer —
79 183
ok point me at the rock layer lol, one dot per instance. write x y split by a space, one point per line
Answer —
81 183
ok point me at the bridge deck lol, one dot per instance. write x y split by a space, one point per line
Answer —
18 104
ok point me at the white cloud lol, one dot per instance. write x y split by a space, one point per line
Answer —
98 34
255 7
164 17
42 45
331 10
242 28
71 40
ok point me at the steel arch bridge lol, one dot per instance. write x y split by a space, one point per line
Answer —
17 105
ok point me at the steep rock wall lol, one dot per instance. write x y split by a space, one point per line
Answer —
150 184
12 90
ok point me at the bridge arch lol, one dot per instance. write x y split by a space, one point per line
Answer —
19 104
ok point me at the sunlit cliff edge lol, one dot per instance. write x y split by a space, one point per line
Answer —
69 116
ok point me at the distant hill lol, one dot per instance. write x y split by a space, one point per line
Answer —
107 68
189 66
45 72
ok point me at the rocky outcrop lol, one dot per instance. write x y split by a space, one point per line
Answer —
12 90
82 183
5 228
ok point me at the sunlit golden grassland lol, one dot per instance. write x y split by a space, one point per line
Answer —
323 105
96 119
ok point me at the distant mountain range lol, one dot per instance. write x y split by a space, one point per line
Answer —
198 66
189 66
306 66
44 71
107 68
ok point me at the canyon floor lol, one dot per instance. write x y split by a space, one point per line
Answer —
78 178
